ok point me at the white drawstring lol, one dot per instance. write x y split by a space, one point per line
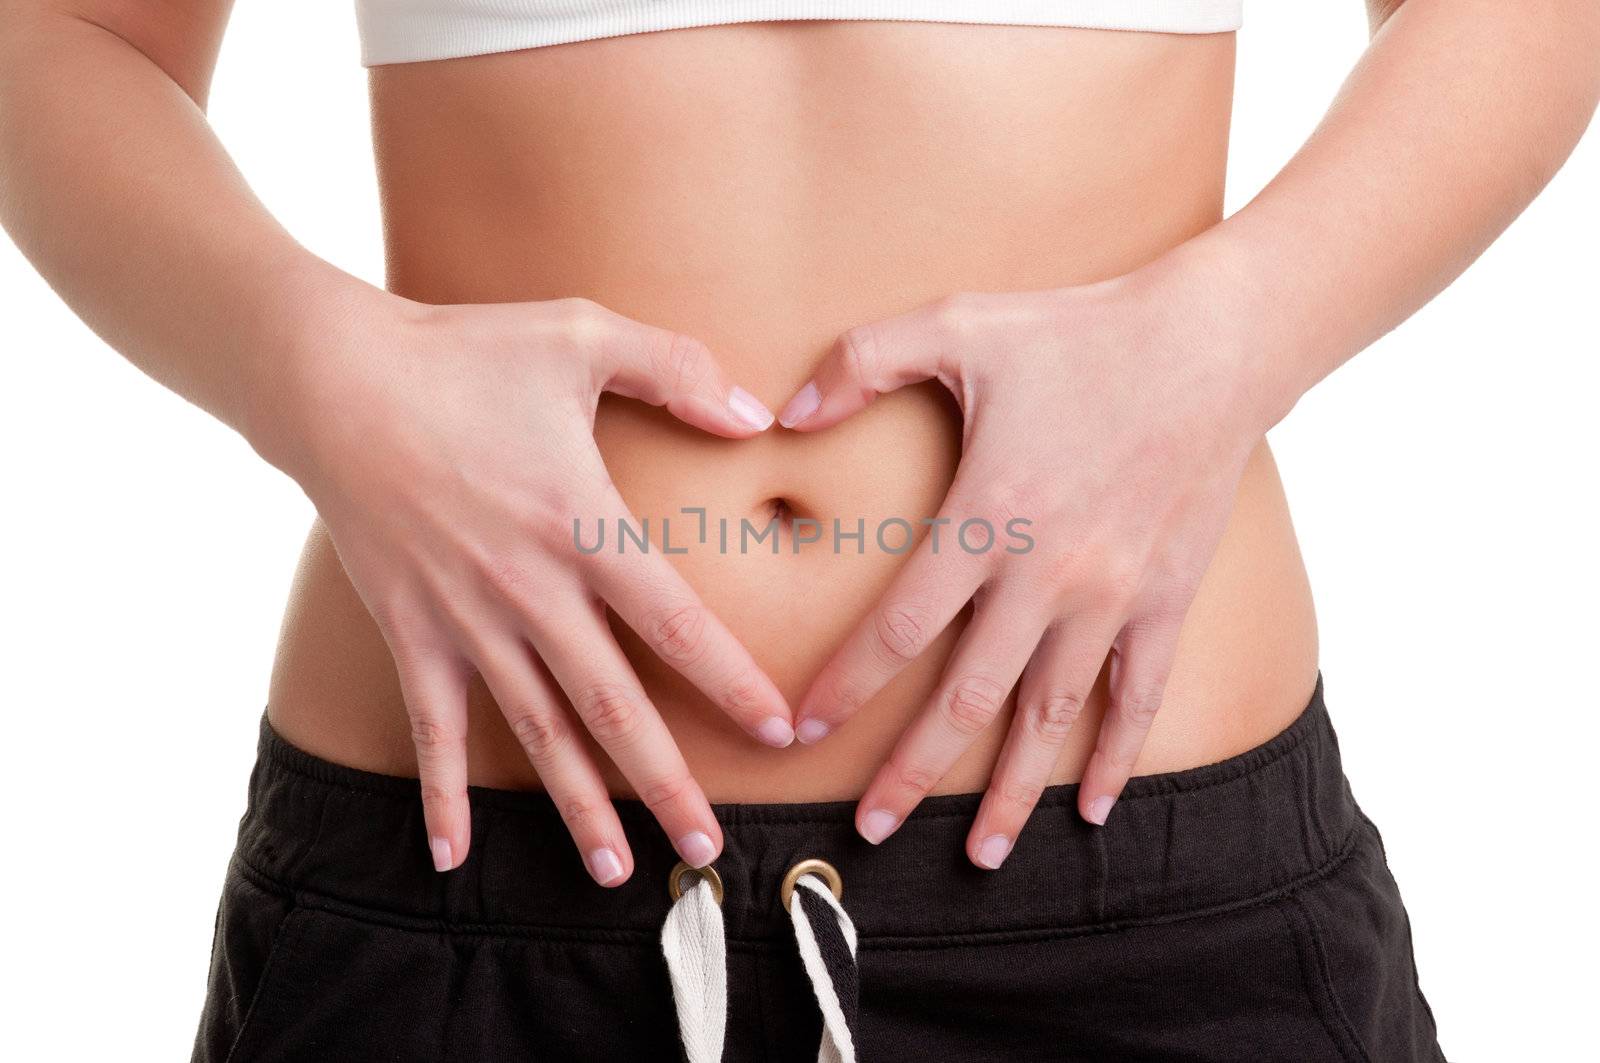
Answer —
828 951
697 960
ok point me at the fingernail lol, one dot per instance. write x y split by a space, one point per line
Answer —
441 853
605 866
994 849
878 825
811 731
697 849
1099 809
775 731
803 405
749 409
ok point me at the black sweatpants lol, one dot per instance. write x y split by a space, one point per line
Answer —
1239 911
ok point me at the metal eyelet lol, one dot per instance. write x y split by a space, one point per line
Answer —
675 880
820 868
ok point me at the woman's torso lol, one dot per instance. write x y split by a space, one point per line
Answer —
764 187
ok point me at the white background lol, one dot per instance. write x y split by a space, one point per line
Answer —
1443 484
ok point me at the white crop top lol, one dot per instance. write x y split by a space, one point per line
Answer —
408 31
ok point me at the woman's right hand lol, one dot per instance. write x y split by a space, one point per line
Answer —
449 450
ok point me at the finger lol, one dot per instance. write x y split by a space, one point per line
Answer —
1049 700
585 660
1141 661
926 595
655 601
980 675
666 368
865 362
435 693
544 726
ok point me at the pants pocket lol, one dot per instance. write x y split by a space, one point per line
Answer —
340 988
250 933
259 1018
359 987
1215 988
1355 949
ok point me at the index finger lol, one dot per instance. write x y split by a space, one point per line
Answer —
660 606
920 603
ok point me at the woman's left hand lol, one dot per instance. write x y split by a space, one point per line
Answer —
1115 419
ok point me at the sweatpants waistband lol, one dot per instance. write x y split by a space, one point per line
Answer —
1224 835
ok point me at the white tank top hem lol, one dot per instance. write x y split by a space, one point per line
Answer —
410 31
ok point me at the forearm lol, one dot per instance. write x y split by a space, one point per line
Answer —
1456 117
114 186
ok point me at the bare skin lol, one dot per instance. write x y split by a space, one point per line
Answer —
767 190
691 244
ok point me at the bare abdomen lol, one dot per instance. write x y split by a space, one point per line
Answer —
763 187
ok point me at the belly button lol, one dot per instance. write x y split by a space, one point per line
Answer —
773 524
778 509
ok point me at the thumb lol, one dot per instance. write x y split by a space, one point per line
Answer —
666 368
865 362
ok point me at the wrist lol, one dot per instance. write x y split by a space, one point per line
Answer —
1222 303
314 344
